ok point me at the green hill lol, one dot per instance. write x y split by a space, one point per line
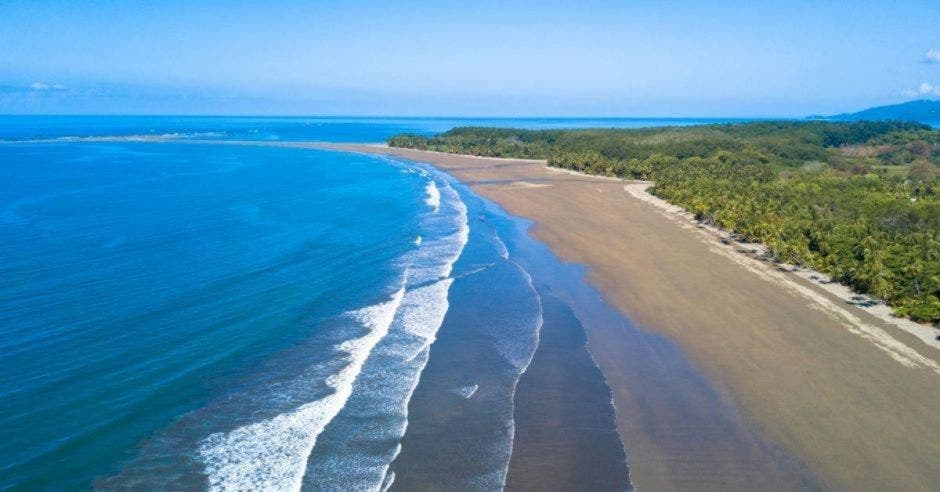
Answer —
924 111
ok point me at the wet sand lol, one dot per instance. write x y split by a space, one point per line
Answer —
807 379
472 417
565 431
460 413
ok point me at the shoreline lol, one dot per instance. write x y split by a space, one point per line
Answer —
768 349
757 252
843 391
560 423
926 333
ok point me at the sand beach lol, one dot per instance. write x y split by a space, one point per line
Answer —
851 396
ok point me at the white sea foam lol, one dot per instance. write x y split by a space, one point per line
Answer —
466 391
383 370
424 308
524 359
389 480
143 137
434 196
517 338
540 320
272 454
423 311
360 454
503 250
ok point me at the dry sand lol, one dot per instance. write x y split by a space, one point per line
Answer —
854 398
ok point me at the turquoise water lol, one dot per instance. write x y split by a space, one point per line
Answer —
139 279
173 313
331 129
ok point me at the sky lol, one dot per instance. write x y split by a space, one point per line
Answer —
456 58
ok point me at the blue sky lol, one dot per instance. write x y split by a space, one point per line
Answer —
754 58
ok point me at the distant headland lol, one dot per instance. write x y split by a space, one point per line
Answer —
923 111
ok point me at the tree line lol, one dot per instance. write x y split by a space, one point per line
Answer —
859 201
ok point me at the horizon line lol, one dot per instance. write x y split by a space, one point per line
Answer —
441 117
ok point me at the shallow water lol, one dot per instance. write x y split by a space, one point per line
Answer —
468 414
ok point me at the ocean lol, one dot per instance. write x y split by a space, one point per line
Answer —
178 311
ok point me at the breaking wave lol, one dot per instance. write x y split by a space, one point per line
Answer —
367 408
272 454
434 196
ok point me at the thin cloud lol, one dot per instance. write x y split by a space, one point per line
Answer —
924 89
42 86
932 56
929 89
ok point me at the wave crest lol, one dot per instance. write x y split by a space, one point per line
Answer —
434 196
272 454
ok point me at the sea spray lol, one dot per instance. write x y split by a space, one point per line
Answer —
460 420
256 293
434 196
519 354
272 454
364 439
466 391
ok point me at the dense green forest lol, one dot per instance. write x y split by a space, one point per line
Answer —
858 201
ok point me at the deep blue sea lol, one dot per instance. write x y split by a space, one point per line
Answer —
176 314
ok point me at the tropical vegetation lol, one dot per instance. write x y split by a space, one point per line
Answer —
858 201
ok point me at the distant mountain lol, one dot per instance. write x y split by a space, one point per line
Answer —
924 111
